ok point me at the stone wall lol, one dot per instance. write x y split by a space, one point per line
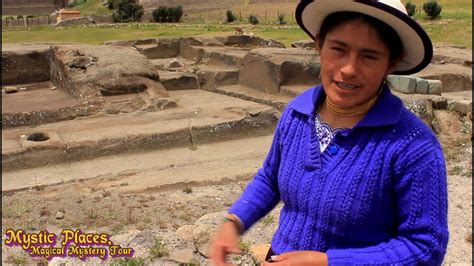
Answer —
192 6
20 67
31 7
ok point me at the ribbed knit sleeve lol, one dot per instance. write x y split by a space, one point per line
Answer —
421 199
262 194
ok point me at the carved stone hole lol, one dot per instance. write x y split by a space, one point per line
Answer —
37 137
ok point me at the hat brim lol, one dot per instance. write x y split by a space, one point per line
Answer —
417 46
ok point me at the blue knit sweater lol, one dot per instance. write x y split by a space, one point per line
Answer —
376 195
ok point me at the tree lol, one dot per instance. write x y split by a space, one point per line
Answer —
175 13
231 17
160 14
411 8
168 14
127 11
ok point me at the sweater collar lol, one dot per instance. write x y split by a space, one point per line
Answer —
386 111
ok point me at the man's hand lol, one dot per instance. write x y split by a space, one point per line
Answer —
225 242
299 258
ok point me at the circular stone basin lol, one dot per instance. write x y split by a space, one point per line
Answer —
37 137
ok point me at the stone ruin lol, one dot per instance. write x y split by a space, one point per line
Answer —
49 83
66 103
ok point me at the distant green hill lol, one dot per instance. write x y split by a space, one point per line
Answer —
92 8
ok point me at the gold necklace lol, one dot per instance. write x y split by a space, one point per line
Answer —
351 111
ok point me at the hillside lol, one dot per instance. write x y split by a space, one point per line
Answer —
92 8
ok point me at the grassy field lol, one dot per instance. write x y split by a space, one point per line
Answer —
454 27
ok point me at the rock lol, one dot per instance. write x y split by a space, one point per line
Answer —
463 106
174 63
182 256
435 87
259 252
53 88
423 109
453 82
439 102
185 232
156 89
120 43
75 21
22 88
109 76
59 215
249 41
140 241
204 229
446 123
403 83
82 62
304 44
469 115
10 89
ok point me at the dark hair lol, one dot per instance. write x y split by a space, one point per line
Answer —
387 34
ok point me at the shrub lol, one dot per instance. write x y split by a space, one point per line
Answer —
127 11
168 14
411 8
253 19
432 9
231 17
281 18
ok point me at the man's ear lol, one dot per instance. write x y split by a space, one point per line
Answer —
393 64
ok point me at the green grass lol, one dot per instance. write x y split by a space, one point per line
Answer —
454 27
102 33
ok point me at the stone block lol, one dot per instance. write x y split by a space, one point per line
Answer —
297 73
210 76
261 75
403 84
163 48
422 86
463 106
266 69
435 87
219 56
439 103
179 81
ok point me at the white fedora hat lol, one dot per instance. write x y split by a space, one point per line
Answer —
417 46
